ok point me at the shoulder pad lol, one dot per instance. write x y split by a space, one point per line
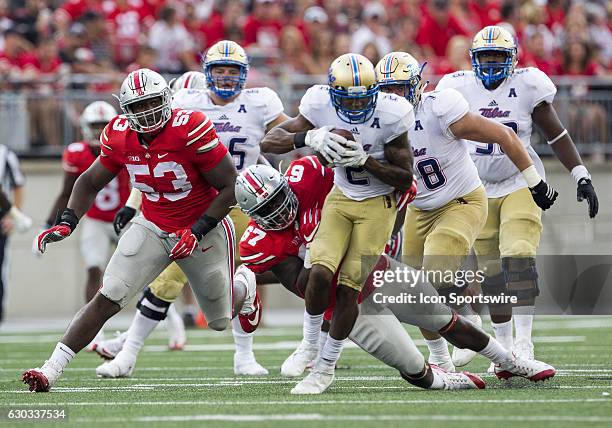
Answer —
391 108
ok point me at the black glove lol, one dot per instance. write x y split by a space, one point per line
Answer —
122 218
587 191
544 195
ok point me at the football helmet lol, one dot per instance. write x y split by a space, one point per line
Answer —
226 52
353 88
143 85
189 80
493 40
264 195
402 69
96 114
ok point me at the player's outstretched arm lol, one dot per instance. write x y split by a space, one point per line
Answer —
223 178
545 117
281 138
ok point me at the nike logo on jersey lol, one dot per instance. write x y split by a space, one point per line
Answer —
492 113
493 104
206 249
160 156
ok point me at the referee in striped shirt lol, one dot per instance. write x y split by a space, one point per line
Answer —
11 218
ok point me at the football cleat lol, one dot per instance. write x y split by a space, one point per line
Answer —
491 369
462 357
42 379
176 330
315 383
460 380
523 348
108 349
445 363
296 363
121 366
246 365
249 322
94 343
533 370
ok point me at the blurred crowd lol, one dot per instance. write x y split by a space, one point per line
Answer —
51 38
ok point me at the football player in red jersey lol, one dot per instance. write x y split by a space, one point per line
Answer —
97 234
176 160
285 214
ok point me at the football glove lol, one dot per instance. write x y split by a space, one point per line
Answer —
544 195
587 191
355 156
408 196
185 246
122 218
309 224
328 144
68 222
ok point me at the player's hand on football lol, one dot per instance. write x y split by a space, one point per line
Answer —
587 191
53 234
544 195
186 245
122 218
354 155
331 146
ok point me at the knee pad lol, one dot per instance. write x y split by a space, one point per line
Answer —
152 307
495 286
115 290
522 277
219 324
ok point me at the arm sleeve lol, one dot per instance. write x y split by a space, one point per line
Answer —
274 107
204 142
308 104
108 157
449 106
542 88
260 255
404 123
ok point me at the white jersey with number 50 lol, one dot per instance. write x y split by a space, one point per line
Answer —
392 117
442 163
240 124
511 104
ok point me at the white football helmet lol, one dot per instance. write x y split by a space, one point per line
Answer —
96 114
264 195
140 86
189 80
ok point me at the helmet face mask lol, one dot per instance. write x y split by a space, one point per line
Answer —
352 88
493 55
278 211
401 74
220 61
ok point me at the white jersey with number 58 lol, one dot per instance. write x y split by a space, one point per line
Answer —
511 104
392 117
442 163
240 124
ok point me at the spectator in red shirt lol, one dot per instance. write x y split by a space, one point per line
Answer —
127 21
457 57
145 59
264 25
16 54
578 60
555 15
437 28
537 55
484 12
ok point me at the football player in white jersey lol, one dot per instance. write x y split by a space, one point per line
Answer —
359 213
517 98
450 208
241 118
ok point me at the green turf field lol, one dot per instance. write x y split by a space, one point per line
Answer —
196 387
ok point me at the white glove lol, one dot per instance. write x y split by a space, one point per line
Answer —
328 144
354 156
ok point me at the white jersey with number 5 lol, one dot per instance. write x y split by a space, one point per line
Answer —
392 117
442 163
240 124
511 104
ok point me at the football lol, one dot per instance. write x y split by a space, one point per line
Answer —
342 132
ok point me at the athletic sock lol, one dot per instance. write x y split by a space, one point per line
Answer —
330 353
322 339
495 352
139 330
243 341
62 355
438 348
311 328
523 321
503 333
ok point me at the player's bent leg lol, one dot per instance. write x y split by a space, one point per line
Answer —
167 287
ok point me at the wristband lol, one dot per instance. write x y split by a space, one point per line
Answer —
531 176
558 137
204 225
299 140
69 218
135 199
579 172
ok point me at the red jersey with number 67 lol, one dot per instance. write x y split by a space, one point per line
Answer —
77 157
261 250
169 171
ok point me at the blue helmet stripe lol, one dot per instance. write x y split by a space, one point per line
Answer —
227 49
355 67
388 65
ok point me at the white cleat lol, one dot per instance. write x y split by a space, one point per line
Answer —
176 330
460 380
445 363
108 349
462 357
491 369
121 366
315 383
533 370
297 362
95 341
523 348
246 365
42 379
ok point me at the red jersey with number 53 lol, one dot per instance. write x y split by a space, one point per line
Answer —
169 171
261 250
77 157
